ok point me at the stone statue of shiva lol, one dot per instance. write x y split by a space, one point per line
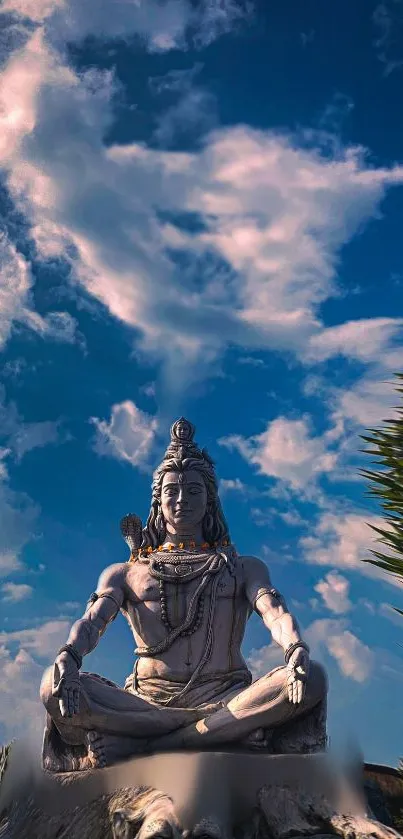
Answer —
187 595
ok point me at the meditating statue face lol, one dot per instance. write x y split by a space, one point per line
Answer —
183 501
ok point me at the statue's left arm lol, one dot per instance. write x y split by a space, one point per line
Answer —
272 608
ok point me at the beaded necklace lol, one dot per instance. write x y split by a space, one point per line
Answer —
183 572
160 564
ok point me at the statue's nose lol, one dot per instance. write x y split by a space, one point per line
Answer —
181 500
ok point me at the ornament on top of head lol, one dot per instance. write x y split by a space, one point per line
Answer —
182 444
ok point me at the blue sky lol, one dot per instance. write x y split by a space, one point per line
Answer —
201 215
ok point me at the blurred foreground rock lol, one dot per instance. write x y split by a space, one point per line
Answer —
195 796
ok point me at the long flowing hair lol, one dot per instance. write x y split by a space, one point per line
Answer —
214 525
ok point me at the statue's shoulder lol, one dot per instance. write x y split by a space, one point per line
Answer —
114 576
252 567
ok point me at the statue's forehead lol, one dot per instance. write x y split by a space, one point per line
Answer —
189 476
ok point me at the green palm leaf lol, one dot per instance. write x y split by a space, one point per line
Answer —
385 482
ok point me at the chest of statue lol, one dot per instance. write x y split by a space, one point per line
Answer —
176 576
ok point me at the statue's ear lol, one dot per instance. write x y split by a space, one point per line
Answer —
124 825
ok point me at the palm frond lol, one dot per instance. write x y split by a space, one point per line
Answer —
385 483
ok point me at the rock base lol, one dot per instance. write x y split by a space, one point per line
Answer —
191 796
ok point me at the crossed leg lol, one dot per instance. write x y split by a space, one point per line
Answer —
113 723
264 704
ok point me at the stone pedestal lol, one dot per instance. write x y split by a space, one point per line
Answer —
191 796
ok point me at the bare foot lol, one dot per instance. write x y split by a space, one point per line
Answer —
106 749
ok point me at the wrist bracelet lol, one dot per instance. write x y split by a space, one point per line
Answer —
68 648
289 651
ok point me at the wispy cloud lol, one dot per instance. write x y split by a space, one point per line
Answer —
21 437
171 24
364 340
18 518
21 711
272 212
286 451
354 658
232 485
188 109
16 592
343 540
334 590
42 641
388 22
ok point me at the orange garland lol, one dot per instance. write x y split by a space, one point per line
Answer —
181 546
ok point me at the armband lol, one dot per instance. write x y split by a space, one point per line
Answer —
95 596
272 592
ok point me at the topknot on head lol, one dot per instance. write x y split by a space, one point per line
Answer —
182 431
182 445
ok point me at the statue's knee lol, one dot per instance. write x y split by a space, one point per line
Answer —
46 687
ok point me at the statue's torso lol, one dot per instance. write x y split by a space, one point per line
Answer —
142 608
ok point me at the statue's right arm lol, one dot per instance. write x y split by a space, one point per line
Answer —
106 602
84 636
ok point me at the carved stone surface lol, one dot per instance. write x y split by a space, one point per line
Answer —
305 735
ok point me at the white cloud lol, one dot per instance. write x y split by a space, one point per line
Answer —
42 641
15 284
59 326
34 10
218 17
18 513
274 211
291 517
15 592
388 20
129 435
286 451
21 711
253 361
344 540
21 437
18 516
367 403
261 661
9 563
231 485
162 25
34 435
353 657
193 111
15 298
334 590
365 340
